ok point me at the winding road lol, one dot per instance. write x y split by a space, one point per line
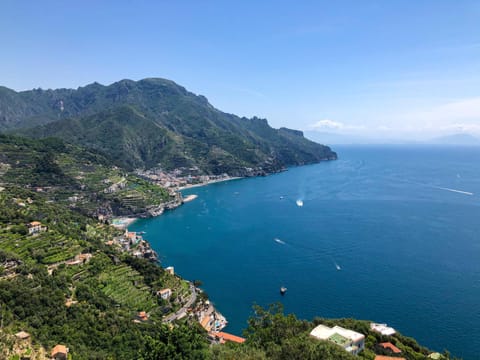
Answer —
181 312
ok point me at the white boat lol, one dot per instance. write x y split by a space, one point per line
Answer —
299 203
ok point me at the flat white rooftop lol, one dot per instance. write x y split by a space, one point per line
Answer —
382 329
323 332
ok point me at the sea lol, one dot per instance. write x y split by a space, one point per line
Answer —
385 233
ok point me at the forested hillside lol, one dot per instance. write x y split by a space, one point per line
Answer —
155 122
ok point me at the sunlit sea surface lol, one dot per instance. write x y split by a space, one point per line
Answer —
390 234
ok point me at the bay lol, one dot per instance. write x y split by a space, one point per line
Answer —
385 233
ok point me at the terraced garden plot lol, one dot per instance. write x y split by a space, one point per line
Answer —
119 284
51 248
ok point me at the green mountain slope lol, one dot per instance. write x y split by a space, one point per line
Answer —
76 177
155 122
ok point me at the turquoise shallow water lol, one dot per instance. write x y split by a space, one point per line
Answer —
408 245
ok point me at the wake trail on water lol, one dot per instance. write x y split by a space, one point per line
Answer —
453 190
304 253
431 186
336 264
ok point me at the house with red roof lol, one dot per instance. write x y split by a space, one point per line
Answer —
59 352
389 346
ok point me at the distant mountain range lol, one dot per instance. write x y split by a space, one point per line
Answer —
151 122
456 139
331 138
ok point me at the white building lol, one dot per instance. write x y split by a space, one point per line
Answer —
164 293
382 329
35 227
350 340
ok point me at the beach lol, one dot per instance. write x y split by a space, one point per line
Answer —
208 183
123 222
189 198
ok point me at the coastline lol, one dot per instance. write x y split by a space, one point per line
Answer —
123 222
208 183
210 318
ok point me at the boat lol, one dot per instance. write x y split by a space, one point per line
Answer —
299 203
283 290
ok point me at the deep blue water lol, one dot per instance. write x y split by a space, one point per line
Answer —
409 251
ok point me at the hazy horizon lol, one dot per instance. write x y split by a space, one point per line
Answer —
371 69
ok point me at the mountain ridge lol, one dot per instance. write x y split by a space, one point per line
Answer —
181 129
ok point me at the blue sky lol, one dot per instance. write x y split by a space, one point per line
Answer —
384 69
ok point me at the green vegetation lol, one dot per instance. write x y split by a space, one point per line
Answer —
105 293
155 121
125 286
93 305
75 177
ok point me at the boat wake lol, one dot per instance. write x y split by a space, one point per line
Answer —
279 241
454 190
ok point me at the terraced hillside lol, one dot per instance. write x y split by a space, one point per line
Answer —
76 177
64 284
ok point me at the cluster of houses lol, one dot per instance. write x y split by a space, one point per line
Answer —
213 322
122 184
178 178
354 342
134 244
